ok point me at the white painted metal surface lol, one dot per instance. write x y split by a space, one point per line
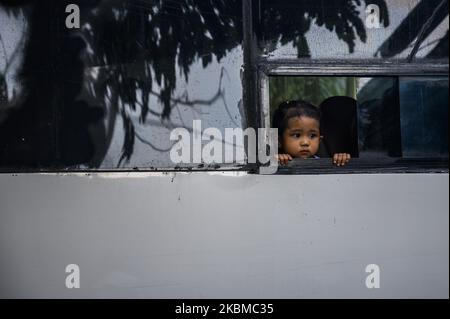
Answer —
224 235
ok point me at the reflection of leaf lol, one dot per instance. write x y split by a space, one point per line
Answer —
287 22
409 29
141 42
162 35
128 144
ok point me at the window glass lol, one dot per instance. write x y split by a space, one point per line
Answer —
353 29
108 95
424 116
392 116
379 118
335 96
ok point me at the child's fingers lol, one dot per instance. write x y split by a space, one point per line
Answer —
284 159
280 159
287 158
336 159
341 159
345 159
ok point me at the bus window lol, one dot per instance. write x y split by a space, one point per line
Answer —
397 117
108 95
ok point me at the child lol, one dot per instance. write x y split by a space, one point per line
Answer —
298 124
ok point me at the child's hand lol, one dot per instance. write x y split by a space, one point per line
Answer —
341 159
284 159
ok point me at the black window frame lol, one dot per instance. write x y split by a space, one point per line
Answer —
355 68
258 69
255 88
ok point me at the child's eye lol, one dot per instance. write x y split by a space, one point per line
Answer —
296 135
313 136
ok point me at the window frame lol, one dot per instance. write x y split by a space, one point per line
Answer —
256 71
354 68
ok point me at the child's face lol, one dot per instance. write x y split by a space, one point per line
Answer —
301 138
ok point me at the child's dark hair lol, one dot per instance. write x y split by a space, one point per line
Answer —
291 109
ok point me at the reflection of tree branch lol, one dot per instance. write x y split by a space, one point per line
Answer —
228 112
149 110
182 32
181 116
140 138
427 45
424 30
183 100
222 73
189 129
192 103
410 28
193 109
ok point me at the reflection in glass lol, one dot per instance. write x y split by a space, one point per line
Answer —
339 29
424 115
396 117
379 117
108 95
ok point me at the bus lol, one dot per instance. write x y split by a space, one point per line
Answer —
93 205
